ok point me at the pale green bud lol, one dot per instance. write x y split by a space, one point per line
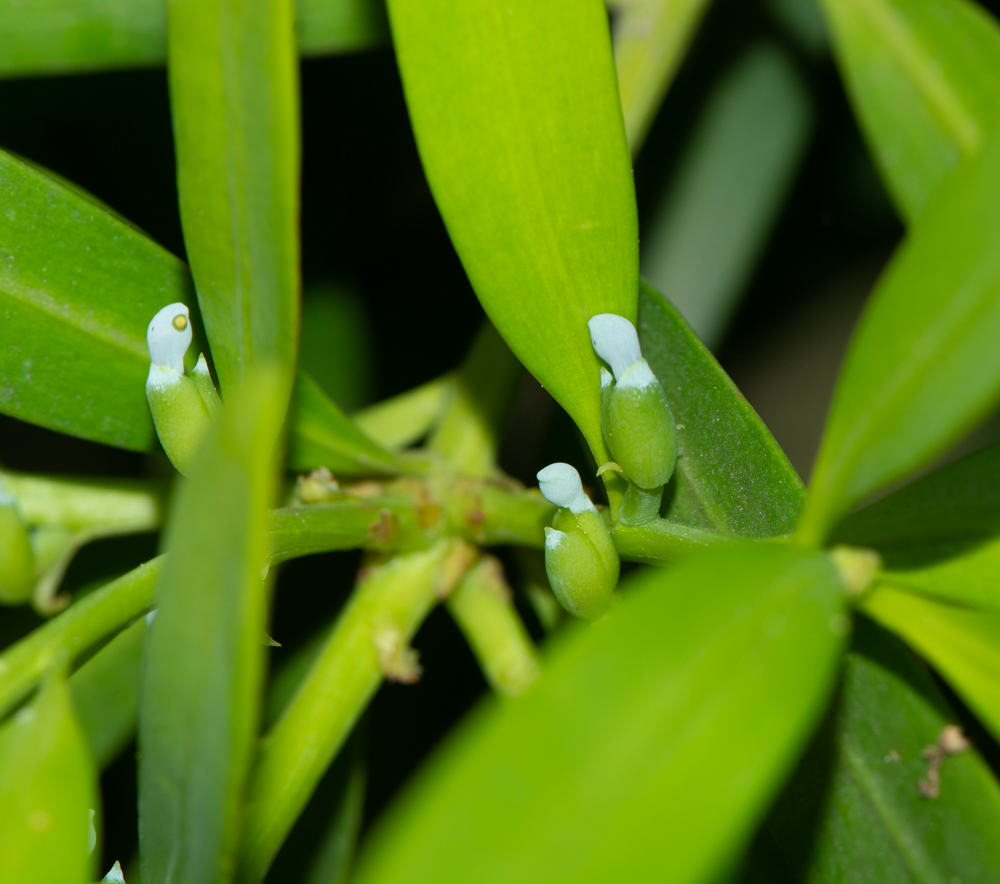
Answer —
176 401
580 557
17 561
638 425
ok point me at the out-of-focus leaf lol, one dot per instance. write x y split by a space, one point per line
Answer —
962 644
335 346
730 472
515 108
651 37
106 693
854 810
66 36
940 535
803 19
48 792
77 290
233 74
620 764
201 689
705 237
921 369
924 78
323 436
332 862
404 419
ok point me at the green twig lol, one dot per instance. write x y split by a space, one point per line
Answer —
661 542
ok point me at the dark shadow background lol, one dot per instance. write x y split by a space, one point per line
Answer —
369 221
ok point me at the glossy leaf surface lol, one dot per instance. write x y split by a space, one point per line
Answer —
233 74
921 369
730 472
515 109
924 78
940 535
48 789
591 776
963 645
77 290
854 810
200 696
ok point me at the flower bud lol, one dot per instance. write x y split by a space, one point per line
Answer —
580 557
17 561
638 425
176 401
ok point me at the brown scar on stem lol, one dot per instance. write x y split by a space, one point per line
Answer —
951 742
383 532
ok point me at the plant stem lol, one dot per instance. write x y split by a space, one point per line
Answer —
495 512
661 542
482 605
369 640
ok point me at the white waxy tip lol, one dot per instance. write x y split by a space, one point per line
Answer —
639 375
553 537
606 378
560 484
201 366
169 336
150 617
162 376
115 876
91 834
615 340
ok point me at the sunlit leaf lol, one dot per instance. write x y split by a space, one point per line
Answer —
515 109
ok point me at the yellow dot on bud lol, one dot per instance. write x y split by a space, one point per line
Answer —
180 322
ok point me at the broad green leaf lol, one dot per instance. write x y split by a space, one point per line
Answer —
704 238
940 535
48 792
65 36
404 419
323 436
730 472
921 368
77 290
201 689
962 644
106 693
651 37
515 109
924 78
854 810
650 746
233 74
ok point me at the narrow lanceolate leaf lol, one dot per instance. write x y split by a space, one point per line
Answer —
924 78
48 792
621 764
200 696
651 37
730 472
68 36
515 108
77 290
940 535
705 236
922 367
855 810
962 644
234 98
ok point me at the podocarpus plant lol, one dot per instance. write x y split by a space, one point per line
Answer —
649 745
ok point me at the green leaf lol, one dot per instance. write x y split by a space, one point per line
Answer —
77 290
48 792
323 436
940 535
924 78
404 419
963 645
651 37
106 693
201 690
703 683
921 369
730 472
705 236
233 74
514 105
854 810
64 36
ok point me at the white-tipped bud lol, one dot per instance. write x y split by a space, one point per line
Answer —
560 484
615 340
169 336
